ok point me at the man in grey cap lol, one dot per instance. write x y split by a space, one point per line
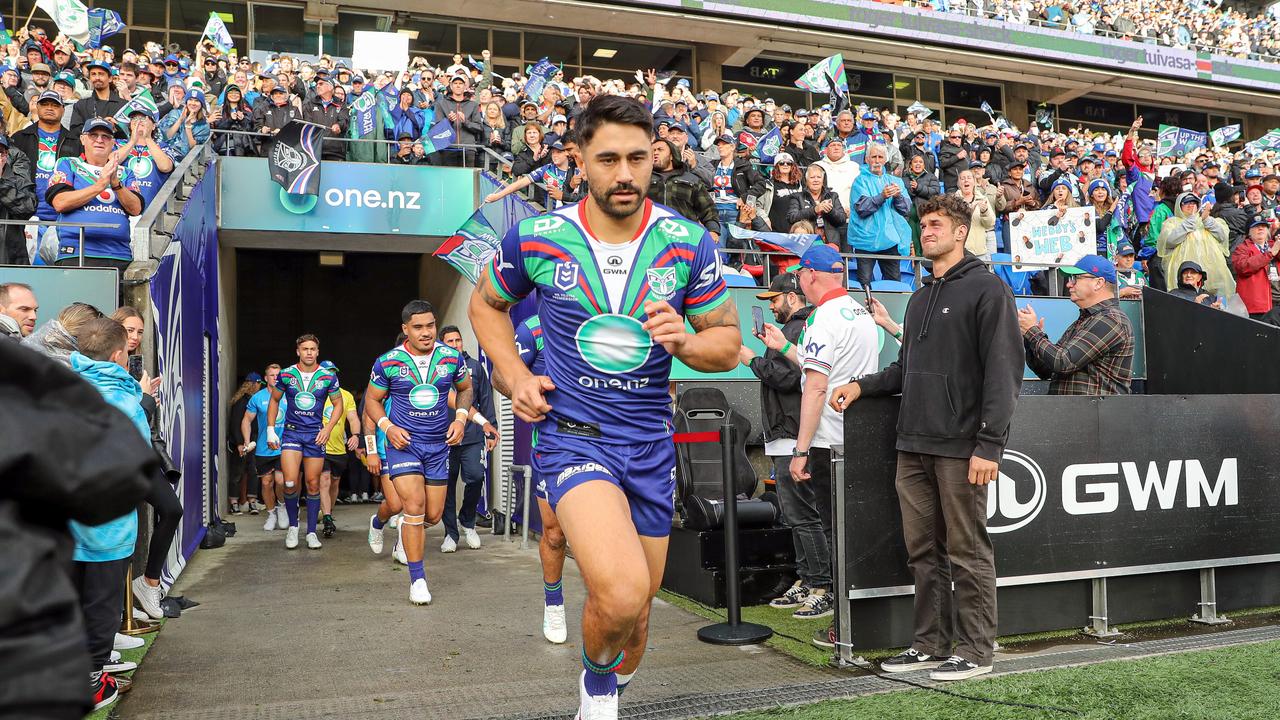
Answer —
780 410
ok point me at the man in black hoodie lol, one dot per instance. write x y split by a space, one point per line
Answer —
679 189
959 372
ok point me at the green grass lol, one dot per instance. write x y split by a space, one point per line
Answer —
1228 683
135 655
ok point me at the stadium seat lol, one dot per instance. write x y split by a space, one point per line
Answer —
735 280
699 465
890 286
1019 280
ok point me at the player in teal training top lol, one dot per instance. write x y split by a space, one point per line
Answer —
616 277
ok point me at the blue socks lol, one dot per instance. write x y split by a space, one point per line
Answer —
601 679
313 512
554 592
291 507
416 571
377 523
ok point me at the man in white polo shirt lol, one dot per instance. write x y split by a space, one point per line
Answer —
839 340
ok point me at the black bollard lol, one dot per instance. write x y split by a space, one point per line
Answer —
734 631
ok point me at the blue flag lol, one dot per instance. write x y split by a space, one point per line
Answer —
539 75
103 23
439 137
6 37
471 248
769 146
793 243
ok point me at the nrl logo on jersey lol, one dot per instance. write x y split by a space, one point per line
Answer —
566 276
662 281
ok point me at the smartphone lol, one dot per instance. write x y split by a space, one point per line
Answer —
135 367
757 319
867 289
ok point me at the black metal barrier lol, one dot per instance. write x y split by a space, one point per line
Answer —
1150 492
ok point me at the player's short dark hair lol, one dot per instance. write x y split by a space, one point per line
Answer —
616 109
957 210
307 337
449 329
100 338
415 307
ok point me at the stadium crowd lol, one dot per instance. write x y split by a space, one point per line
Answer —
1203 25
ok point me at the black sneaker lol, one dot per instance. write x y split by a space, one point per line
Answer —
957 668
817 605
103 690
910 659
793 597
329 527
484 521
826 638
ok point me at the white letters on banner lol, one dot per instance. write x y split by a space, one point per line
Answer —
1043 236
380 51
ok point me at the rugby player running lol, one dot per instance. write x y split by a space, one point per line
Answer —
418 376
304 387
616 277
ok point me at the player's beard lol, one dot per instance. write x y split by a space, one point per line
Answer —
613 208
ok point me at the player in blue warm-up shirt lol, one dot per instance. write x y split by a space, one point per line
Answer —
266 459
94 188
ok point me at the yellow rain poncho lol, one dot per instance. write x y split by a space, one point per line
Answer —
1201 239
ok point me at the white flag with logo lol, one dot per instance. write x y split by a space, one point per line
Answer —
216 30
71 17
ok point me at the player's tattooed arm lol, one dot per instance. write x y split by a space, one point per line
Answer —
486 293
499 383
465 394
714 344
723 315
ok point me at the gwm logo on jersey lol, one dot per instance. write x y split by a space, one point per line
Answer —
566 276
304 401
1017 498
424 396
662 282
612 344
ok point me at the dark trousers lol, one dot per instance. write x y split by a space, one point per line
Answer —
168 513
820 483
944 523
101 588
800 513
889 269
464 460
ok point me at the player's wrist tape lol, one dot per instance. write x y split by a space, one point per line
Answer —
271 435
786 348
461 415
386 420
371 444
479 420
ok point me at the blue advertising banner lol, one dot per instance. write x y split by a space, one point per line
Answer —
184 299
354 198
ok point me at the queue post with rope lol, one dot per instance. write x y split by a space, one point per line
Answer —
733 631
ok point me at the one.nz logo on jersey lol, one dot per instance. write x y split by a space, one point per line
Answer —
613 344
424 396
304 401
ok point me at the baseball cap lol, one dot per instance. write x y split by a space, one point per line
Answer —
1257 220
726 138
254 377
557 145
868 116
558 118
49 96
65 77
97 124
1125 248
1094 265
170 59
278 89
823 258
328 364
783 158
783 283
41 67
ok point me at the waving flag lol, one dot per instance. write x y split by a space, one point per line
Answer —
1267 142
816 79
216 30
6 37
1173 141
539 75
1224 135
440 136
769 146
363 114
793 243
838 100
71 17
471 248
143 104
985 107
920 110
103 23
294 161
